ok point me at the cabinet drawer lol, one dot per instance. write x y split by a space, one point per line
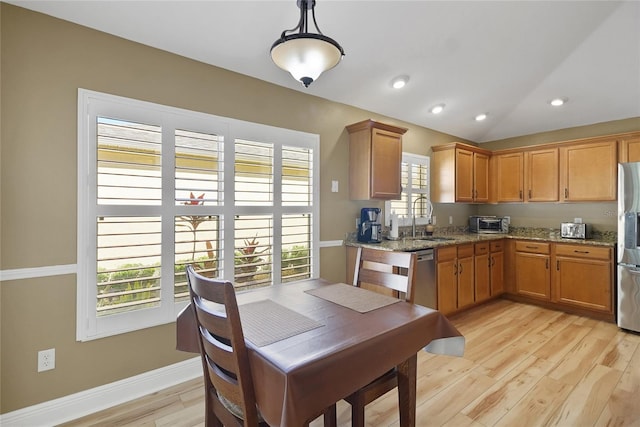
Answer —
482 248
532 247
446 253
497 246
465 251
584 251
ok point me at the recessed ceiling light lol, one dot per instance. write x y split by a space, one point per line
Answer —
558 101
481 117
437 109
399 82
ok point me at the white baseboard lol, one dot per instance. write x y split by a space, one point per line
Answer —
87 402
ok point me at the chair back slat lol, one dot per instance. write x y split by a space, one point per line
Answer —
386 269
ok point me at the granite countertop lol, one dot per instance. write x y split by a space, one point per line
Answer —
458 237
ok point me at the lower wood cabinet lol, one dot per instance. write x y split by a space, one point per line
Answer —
583 277
466 276
574 277
533 277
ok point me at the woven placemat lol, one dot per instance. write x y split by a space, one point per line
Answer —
265 322
358 299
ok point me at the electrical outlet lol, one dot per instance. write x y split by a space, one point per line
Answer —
433 220
46 360
450 220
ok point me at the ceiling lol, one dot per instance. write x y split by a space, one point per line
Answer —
504 58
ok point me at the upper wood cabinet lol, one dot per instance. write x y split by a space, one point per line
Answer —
459 173
375 158
509 177
588 171
526 176
629 148
541 175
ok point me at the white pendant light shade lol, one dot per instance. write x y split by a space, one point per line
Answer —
303 54
306 57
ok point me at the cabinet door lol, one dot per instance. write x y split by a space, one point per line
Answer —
466 284
585 283
533 277
509 176
464 175
541 175
630 149
497 273
588 171
480 177
482 277
447 285
386 158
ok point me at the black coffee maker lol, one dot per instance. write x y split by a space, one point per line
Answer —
370 230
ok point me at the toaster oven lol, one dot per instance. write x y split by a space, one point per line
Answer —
488 224
575 230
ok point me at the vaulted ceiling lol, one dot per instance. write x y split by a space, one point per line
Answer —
505 59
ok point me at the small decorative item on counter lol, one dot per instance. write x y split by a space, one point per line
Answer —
393 231
429 229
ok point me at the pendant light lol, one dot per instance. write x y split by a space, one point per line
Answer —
306 55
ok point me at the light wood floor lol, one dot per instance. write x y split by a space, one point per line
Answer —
523 366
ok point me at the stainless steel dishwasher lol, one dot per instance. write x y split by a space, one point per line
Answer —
425 279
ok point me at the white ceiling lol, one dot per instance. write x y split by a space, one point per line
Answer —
504 58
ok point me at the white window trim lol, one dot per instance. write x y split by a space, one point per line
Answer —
91 104
407 221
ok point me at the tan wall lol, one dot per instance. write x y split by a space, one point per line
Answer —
44 62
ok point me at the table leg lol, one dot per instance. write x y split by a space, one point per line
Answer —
407 372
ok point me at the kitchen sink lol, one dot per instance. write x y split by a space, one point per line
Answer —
432 239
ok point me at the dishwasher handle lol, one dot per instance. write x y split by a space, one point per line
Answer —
424 255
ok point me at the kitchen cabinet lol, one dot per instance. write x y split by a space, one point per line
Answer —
459 173
629 148
375 159
526 176
509 177
455 277
447 279
541 175
496 267
583 277
466 276
532 273
482 265
489 269
588 171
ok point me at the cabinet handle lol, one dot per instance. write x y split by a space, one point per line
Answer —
531 247
520 194
460 269
529 193
566 193
557 265
493 261
581 252
455 270
546 264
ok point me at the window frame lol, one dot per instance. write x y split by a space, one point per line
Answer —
403 221
93 104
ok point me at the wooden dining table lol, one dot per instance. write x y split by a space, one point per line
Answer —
327 344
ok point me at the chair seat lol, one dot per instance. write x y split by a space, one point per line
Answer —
236 409
376 388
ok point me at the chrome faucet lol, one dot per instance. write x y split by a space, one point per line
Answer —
413 212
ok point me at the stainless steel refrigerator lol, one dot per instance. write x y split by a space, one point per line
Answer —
628 314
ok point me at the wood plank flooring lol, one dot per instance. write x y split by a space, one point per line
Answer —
523 366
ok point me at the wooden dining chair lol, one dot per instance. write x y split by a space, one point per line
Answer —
229 392
389 273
